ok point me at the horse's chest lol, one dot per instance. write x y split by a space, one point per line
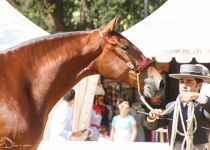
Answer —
11 121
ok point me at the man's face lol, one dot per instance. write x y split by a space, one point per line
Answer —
189 85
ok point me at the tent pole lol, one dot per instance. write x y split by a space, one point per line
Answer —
146 4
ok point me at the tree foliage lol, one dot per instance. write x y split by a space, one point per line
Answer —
72 15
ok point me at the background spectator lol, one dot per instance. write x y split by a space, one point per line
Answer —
99 113
59 123
124 128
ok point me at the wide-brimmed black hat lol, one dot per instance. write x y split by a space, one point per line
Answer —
190 70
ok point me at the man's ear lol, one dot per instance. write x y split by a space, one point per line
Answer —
199 85
110 26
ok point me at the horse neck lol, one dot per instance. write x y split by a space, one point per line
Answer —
57 63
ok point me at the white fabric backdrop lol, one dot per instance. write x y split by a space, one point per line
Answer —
179 28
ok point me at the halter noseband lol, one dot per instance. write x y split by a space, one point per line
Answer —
137 68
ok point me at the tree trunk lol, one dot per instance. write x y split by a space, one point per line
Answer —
57 14
85 18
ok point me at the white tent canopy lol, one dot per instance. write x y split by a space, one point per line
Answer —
14 29
179 28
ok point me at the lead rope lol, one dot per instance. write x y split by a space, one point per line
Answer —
188 134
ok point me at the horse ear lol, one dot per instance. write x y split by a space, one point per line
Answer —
111 25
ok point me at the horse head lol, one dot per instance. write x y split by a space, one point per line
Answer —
121 60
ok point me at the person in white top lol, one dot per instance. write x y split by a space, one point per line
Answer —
96 115
59 123
95 125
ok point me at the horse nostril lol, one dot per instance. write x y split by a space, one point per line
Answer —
162 85
149 87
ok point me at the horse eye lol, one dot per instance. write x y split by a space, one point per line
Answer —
125 47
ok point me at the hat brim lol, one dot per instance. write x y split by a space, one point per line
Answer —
181 76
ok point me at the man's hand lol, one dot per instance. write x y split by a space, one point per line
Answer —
154 114
77 134
188 96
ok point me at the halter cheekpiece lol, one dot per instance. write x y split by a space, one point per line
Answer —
136 68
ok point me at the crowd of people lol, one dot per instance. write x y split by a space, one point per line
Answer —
127 126
123 127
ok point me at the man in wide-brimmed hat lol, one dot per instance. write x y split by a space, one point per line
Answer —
190 80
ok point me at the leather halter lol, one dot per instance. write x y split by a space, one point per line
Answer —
137 68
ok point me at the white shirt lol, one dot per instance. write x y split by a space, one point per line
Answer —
95 122
205 89
59 124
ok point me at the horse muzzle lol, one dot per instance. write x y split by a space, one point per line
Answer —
153 89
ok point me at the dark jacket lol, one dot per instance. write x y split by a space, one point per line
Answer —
202 114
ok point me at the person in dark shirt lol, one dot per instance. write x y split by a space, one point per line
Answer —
190 80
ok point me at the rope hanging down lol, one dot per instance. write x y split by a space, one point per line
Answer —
188 134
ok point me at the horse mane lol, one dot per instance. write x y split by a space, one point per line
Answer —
45 38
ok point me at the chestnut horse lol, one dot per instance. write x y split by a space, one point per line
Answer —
36 74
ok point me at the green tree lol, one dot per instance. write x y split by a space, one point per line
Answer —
72 15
